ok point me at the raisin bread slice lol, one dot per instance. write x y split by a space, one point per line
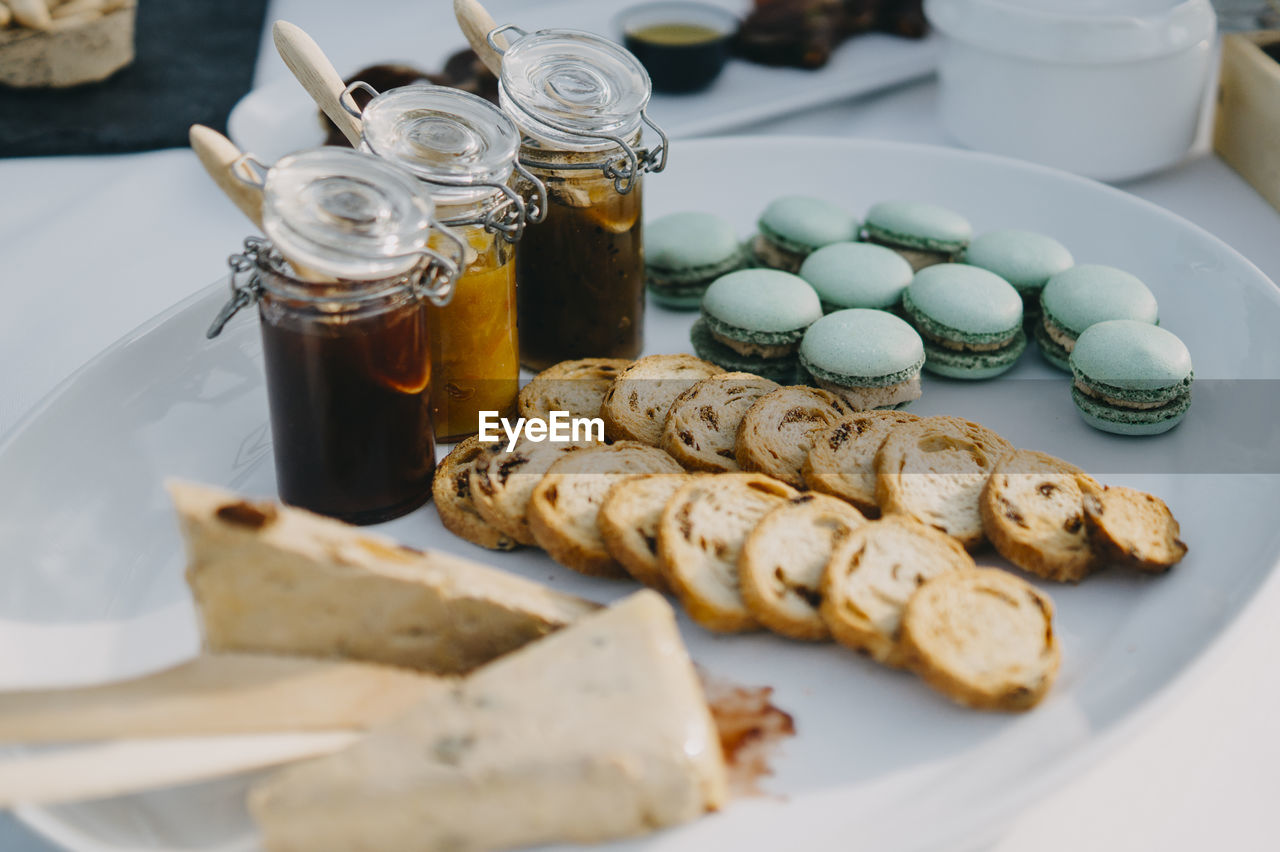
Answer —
701 428
565 506
982 637
783 560
934 470
636 404
700 537
841 461
1133 528
777 430
1033 512
872 575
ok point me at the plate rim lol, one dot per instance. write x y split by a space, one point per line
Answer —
979 823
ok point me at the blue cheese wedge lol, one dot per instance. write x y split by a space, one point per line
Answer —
270 579
598 732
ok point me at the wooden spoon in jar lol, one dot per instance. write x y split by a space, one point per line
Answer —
317 75
219 155
476 24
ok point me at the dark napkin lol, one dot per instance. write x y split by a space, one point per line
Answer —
195 59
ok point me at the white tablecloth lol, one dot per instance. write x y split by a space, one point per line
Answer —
94 246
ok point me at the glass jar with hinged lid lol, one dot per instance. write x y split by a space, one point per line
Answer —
580 102
465 149
340 284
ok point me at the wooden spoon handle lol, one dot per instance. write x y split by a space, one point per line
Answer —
316 74
218 155
103 770
476 24
217 694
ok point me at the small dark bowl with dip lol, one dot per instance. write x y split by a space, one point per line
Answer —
683 45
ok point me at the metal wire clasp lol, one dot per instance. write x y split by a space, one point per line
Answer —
623 169
246 288
437 276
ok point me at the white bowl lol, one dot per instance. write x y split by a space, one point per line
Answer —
1109 89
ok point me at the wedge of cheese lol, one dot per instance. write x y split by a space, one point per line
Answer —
268 578
597 732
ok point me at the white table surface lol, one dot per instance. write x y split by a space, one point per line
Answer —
94 246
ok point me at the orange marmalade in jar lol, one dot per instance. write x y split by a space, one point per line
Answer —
464 149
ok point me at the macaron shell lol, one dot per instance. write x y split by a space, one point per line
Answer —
916 224
959 302
677 298
691 240
1131 356
1091 293
1026 259
955 364
1130 421
802 222
857 275
874 348
761 300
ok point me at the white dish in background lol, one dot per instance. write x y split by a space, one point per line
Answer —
1110 90
93 584
279 118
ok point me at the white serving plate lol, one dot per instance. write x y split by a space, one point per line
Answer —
279 118
93 584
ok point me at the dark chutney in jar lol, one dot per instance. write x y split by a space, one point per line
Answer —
350 400
580 272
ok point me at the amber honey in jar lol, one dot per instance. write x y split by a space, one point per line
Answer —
465 149
579 102
346 340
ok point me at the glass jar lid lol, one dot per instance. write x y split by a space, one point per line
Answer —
442 135
346 214
560 85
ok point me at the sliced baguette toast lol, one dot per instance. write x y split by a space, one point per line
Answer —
700 537
982 637
783 560
777 430
873 573
701 428
565 506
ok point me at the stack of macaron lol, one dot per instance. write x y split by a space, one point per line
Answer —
685 252
753 321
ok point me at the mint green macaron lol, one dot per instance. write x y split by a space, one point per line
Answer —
1026 259
684 253
784 371
856 275
1081 296
970 319
794 226
923 233
761 313
1131 377
870 357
